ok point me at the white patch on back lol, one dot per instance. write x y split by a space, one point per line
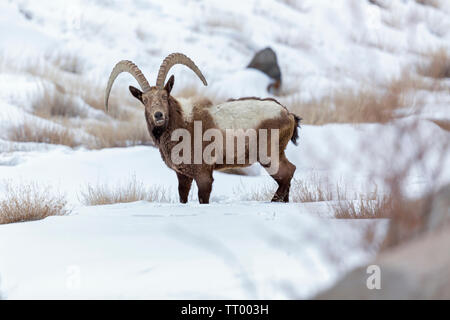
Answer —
187 106
244 114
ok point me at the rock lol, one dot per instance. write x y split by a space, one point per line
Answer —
440 210
266 61
419 269
416 268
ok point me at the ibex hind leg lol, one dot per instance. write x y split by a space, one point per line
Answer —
184 186
204 184
283 178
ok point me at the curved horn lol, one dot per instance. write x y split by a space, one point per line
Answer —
130 67
173 59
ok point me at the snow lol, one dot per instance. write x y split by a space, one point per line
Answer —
245 250
231 248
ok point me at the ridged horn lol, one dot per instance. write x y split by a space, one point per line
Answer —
173 59
130 67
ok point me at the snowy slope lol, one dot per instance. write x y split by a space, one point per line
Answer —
319 41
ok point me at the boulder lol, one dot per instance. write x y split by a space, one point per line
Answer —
266 61
418 268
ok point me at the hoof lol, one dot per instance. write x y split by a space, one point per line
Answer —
276 198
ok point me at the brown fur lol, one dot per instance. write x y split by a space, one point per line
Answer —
160 100
256 98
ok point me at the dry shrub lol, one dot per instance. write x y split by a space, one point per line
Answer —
312 190
443 124
67 62
316 112
293 39
42 133
379 42
438 65
430 3
195 92
91 92
118 134
133 190
30 202
408 219
364 208
366 105
380 3
58 103
188 92
392 20
223 19
348 106
93 95
296 4
53 103
264 192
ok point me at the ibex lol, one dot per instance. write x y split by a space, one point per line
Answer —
268 128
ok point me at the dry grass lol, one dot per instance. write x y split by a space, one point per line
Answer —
430 3
189 92
120 105
118 134
342 205
131 191
223 19
296 4
64 92
411 217
366 105
363 208
67 62
99 135
45 133
381 3
193 91
312 190
443 124
263 193
408 219
347 106
438 65
53 103
30 202
293 39
392 20
91 92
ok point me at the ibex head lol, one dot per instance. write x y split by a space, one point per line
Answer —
156 98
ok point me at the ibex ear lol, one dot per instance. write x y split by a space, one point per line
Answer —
169 84
136 93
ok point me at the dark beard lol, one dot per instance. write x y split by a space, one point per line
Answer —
157 132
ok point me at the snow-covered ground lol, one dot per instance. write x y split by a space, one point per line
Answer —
243 250
231 248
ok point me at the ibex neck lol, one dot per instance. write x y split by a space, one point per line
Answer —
176 120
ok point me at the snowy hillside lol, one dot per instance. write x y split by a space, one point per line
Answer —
334 56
